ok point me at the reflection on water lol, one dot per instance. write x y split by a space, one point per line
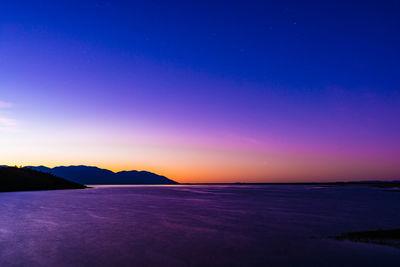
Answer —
195 226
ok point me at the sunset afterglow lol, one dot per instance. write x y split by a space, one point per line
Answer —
256 100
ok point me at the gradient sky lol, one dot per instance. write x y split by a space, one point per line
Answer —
207 91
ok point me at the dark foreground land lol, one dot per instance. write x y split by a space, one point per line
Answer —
383 237
24 179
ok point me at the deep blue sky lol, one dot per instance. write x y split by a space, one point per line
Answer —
318 77
296 43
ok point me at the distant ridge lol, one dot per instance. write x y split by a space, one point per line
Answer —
24 179
94 175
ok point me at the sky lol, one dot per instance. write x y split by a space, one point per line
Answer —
204 91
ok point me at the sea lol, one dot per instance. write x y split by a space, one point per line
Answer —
197 225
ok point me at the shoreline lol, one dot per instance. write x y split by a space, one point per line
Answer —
388 237
379 184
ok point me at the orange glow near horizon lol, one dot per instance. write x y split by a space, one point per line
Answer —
208 166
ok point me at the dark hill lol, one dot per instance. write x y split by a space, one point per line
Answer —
25 179
94 175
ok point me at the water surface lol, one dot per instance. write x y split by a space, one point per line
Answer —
196 226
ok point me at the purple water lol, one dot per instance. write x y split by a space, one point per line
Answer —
196 226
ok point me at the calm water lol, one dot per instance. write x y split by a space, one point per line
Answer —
195 226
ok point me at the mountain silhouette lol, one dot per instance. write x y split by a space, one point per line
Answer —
94 175
25 179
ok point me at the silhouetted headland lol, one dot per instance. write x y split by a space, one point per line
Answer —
94 175
383 237
25 179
